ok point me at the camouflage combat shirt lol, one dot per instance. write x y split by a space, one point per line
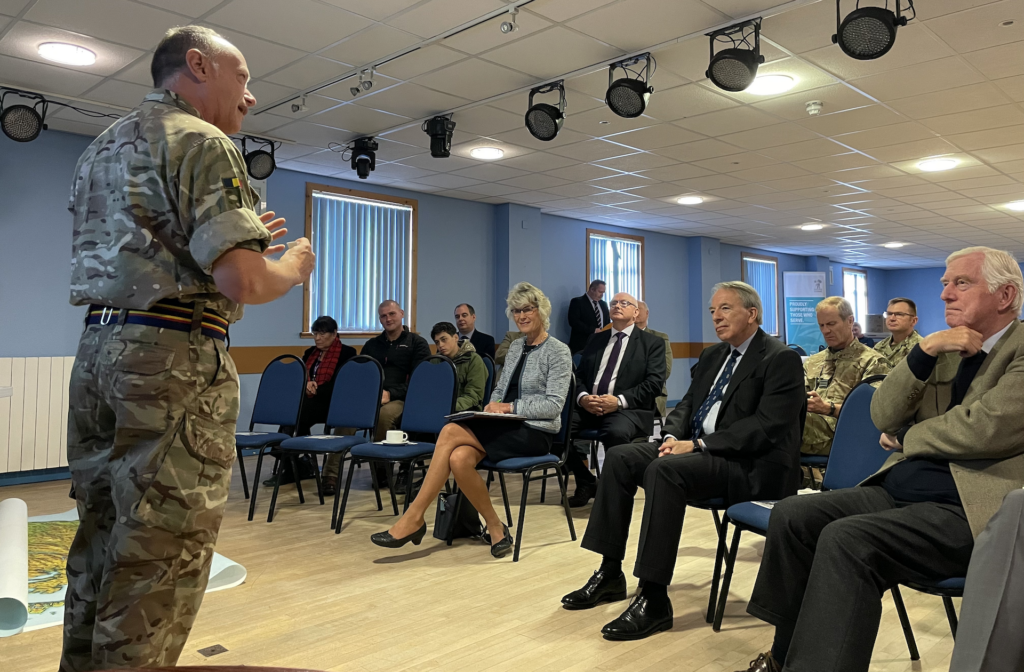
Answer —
157 198
895 353
833 375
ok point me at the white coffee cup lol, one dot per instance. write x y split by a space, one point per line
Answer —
396 436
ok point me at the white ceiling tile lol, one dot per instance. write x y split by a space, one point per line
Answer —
484 120
826 164
378 10
834 98
581 172
592 150
313 135
623 181
488 189
521 136
655 137
849 121
732 120
301 24
262 56
735 162
576 190
342 90
40 77
360 120
549 53
489 172
702 149
314 105
1005 60
780 134
674 173
976 120
119 93
78 125
447 181
963 99
370 44
885 136
908 151
486 36
24 38
266 93
914 80
560 10
602 122
436 17
13 7
308 72
446 165
802 29
1012 86
689 100
474 79
915 43
1002 153
411 101
535 181
972 29
137 25
423 60
632 25
638 161
193 8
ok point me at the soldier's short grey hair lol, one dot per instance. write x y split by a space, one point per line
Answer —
998 268
748 295
169 57
643 304
524 294
839 303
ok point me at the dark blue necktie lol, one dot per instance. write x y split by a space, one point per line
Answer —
715 396
613 358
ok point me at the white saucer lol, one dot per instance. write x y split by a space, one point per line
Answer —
401 443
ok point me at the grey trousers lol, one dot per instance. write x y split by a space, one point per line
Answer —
989 637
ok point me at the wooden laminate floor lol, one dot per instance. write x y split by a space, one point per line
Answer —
318 600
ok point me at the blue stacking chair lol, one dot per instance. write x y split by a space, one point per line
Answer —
355 404
433 389
489 386
278 402
525 466
947 589
797 349
576 360
855 455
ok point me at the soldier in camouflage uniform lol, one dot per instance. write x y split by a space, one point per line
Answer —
831 374
900 319
166 244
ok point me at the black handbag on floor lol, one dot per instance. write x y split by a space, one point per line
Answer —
448 526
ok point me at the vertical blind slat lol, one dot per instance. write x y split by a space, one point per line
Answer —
617 261
762 275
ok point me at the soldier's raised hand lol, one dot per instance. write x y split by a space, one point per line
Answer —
300 254
274 226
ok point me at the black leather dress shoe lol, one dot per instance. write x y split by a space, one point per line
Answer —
602 587
584 493
505 546
387 541
763 663
641 619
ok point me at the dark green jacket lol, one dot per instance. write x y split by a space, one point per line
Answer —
472 377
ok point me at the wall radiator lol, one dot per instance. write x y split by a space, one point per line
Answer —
34 419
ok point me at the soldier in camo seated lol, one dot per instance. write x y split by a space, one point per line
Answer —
900 320
166 246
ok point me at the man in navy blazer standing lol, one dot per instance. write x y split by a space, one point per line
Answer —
588 314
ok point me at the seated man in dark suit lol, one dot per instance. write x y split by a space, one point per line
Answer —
465 320
588 314
951 415
619 378
735 435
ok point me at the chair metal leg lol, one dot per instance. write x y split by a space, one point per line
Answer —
543 485
522 517
337 490
344 500
722 527
730 565
241 469
908 631
293 459
594 450
316 476
408 489
273 497
504 497
391 486
565 503
947 602
256 486
376 485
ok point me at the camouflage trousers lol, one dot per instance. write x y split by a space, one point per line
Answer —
818 433
150 445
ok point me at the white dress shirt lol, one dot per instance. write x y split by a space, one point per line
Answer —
604 364
467 336
991 341
712 417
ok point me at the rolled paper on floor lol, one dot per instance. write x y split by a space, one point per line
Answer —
13 566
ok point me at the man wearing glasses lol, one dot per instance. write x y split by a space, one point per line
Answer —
900 319
621 373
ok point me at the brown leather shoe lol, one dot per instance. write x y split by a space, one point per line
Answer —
763 663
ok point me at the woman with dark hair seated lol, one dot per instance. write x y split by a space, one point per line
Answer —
323 361
533 384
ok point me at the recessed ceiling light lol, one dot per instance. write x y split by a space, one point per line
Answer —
935 165
893 246
487 153
766 85
812 227
1016 206
68 54
690 200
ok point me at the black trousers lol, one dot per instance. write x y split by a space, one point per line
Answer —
613 429
830 557
669 483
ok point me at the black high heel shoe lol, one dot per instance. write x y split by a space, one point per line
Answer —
503 547
387 541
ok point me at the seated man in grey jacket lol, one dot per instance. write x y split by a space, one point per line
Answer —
951 415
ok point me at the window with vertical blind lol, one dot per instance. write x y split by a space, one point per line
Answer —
618 259
762 273
855 290
365 246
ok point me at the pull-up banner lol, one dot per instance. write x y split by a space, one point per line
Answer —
803 292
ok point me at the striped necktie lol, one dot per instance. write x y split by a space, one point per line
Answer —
597 313
715 396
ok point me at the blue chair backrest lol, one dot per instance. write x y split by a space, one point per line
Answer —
796 348
576 359
279 397
564 436
489 386
856 453
432 393
355 401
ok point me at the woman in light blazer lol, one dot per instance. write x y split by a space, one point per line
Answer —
533 384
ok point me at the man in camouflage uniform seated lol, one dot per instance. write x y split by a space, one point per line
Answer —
900 319
831 374
166 245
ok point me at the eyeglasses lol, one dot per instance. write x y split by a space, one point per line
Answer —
612 304
523 311
887 315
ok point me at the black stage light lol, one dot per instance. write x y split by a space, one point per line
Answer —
629 97
259 163
364 157
440 130
544 121
868 33
22 123
734 68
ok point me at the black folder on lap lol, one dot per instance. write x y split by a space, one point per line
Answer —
466 415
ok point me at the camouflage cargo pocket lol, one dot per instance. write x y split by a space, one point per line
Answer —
140 383
209 440
186 495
